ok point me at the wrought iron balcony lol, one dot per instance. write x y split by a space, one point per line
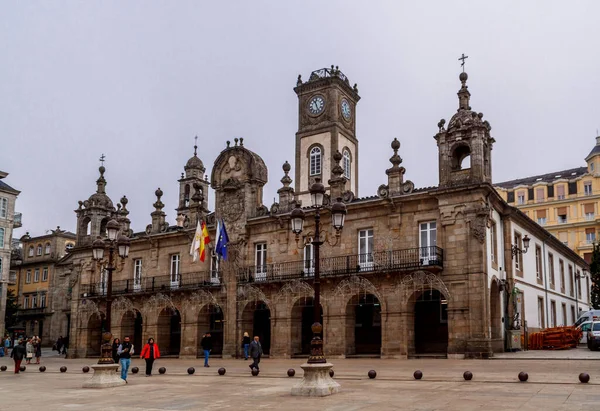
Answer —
423 258
24 312
163 283
17 220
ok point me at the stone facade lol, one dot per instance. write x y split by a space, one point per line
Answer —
408 275
8 221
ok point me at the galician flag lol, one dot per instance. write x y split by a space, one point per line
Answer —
201 238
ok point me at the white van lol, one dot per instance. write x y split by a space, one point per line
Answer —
592 315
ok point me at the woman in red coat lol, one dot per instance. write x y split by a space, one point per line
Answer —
150 353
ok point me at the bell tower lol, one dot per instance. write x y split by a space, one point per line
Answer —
326 124
465 147
193 178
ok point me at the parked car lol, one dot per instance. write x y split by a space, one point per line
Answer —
592 315
584 327
593 336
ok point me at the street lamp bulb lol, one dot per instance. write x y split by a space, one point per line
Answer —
123 244
338 214
317 193
526 241
297 218
112 229
98 249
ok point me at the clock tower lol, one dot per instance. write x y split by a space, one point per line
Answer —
326 124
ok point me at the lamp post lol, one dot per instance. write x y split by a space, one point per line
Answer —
514 248
98 246
338 215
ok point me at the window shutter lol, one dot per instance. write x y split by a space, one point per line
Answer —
573 188
561 211
530 193
588 208
511 197
550 191
541 213
590 230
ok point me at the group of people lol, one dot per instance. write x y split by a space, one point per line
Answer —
251 348
122 352
61 345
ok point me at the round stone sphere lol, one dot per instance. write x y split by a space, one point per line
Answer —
221 371
63 369
523 376
584 377
162 370
418 374
3 368
191 370
134 370
372 374
291 372
331 373
254 372
42 368
22 368
468 375
86 369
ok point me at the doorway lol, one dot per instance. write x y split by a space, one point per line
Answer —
431 323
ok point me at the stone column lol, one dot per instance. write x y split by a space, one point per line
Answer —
189 336
334 326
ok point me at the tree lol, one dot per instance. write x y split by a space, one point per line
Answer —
11 309
595 274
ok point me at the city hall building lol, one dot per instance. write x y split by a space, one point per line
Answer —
442 270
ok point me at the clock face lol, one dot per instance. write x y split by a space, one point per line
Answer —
316 105
346 110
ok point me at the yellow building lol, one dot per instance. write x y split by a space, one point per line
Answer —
33 283
564 202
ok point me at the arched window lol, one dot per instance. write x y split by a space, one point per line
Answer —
346 161
315 161
30 251
47 250
186 196
39 249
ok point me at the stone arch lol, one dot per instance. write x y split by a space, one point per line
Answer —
256 314
294 290
250 293
352 286
420 281
459 153
94 333
193 304
155 304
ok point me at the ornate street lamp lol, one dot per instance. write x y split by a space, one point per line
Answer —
515 247
316 379
98 246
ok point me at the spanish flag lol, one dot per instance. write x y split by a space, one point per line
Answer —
200 240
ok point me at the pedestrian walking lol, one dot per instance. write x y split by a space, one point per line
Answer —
18 352
7 344
256 352
124 351
38 350
65 345
150 353
59 344
206 344
115 348
30 351
246 345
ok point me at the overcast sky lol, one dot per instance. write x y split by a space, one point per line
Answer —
137 80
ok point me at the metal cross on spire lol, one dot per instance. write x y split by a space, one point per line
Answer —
463 58
195 145
102 159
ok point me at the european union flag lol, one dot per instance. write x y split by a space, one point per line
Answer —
223 239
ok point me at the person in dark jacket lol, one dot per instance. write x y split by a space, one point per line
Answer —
256 352
17 354
206 344
246 344
124 351
115 348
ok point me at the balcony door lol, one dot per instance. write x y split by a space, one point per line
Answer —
365 249
175 276
261 261
309 259
137 274
427 241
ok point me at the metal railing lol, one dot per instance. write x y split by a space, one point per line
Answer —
381 261
185 281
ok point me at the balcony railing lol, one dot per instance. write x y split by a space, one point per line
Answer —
22 312
163 283
381 261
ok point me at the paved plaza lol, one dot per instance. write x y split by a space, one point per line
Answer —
553 385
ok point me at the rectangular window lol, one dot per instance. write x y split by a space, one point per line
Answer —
541 217
519 256
175 277
561 268
427 241
3 207
45 274
365 249
573 318
541 317
520 198
587 188
560 192
538 265
214 267
561 215
309 258
26 301
261 261
34 301
36 275
28 277
1 237
39 250
30 251
494 243
590 235
571 283
578 279
47 250
137 274
551 270
510 197
553 314
42 300
539 195
564 314
589 212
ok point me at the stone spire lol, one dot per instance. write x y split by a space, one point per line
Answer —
198 210
101 182
122 216
395 173
337 184
158 216
463 94
286 193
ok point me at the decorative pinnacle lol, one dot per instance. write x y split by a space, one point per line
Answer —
396 160
195 146
158 204
286 180
337 170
